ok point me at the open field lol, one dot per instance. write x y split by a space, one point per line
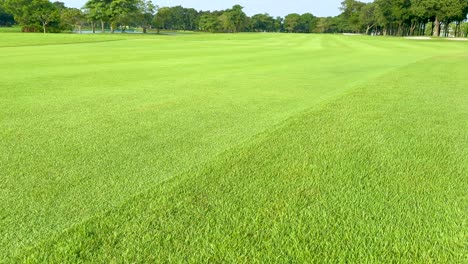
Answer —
233 148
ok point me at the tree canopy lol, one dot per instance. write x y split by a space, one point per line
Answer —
380 17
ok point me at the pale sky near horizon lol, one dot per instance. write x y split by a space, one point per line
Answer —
273 7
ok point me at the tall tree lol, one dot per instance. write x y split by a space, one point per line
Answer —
120 13
452 10
98 10
351 11
191 18
368 16
237 17
45 12
263 22
291 22
225 23
209 22
162 18
145 13
464 29
74 18
307 23
177 17
33 15
279 26
21 11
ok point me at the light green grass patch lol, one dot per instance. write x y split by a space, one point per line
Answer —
234 148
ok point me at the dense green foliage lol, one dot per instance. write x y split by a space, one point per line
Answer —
232 148
380 17
6 18
404 17
33 15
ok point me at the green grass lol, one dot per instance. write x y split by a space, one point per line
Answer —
14 29
39 39
232 148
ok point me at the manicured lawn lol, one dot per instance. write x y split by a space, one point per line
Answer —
30 39
10 29
232 148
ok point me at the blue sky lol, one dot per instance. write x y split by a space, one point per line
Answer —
273 7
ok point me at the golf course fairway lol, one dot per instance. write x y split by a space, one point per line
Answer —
236 148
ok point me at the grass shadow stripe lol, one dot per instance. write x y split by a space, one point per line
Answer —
229 162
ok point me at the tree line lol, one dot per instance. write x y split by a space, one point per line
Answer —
405 17
381 17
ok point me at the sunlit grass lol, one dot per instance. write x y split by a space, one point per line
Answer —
236 148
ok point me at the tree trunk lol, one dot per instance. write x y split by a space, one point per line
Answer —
93 26
144 30
44 27
102 27
413 27
369 27
436 32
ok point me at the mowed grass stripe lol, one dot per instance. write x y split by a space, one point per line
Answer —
94 126
72 150
378 175
12 40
